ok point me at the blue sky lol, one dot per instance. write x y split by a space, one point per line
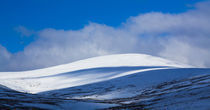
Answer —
73 14
41 33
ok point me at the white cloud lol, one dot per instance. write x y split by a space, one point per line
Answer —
4 58
186 53
184 37
24 31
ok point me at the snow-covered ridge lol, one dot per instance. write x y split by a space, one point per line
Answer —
70 75
116 60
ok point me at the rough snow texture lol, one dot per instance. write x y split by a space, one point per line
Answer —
124 81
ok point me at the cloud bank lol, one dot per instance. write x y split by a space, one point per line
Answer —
183 37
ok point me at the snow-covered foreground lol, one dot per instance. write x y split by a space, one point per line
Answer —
116 81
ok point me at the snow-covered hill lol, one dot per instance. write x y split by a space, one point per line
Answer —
55 77
117 81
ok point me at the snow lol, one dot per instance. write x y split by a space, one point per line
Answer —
116 60
52 78
133 84
109 81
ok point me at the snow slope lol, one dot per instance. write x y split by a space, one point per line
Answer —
123 81
52 78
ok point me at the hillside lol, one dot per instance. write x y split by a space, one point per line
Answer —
123 81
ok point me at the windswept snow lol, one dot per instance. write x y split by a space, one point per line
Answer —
122 81
70 75
116 60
